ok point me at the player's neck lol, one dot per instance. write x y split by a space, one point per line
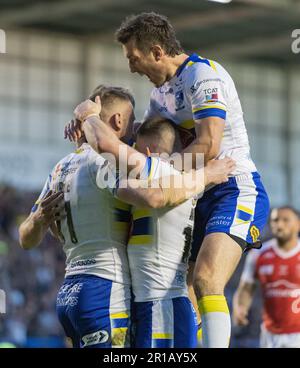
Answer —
288 245
174 64
80 142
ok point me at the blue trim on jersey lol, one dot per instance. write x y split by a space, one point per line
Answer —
195 58
206 113
34 208
244 216
142 226
149 163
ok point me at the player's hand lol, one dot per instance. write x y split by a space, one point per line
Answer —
240 315
87 109
73 130
50 209
217 171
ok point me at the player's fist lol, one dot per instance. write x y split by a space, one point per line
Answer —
73 130
87 109
217 171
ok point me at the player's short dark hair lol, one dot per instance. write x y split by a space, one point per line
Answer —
156 127
290 208
148 29
108 94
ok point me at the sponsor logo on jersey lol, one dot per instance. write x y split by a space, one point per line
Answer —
211 94
67 294
266 270
284 289
99 337
87 262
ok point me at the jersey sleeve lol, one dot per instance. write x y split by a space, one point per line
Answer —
249 271
43 194
206 91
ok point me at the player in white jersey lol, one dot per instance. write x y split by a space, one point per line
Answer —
158 253
200 96
159 245
93 304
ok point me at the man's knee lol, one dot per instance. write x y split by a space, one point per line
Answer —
207 285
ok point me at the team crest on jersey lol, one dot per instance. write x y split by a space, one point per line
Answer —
179 100
254 232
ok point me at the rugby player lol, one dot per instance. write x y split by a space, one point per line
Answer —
93 303
277 269
199 95
159 245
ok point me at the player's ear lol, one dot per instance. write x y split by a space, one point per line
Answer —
157 52
116 122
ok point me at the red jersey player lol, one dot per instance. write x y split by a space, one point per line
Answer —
277 268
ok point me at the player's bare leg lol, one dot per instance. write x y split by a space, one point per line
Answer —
218 258
193 299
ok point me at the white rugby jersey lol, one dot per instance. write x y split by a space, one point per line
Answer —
159 245
202 88
95 231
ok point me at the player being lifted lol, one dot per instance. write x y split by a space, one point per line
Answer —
159 245
93 304
199 95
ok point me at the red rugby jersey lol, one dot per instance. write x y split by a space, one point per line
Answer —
279 275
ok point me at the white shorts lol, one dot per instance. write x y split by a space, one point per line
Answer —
271 340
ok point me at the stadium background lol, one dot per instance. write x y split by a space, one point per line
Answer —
58 51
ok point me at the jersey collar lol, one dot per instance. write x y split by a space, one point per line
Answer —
289 254
193 57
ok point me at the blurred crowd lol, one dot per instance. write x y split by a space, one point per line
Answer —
32 278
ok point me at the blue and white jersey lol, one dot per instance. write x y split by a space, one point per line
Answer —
202 88
160 242
95 231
